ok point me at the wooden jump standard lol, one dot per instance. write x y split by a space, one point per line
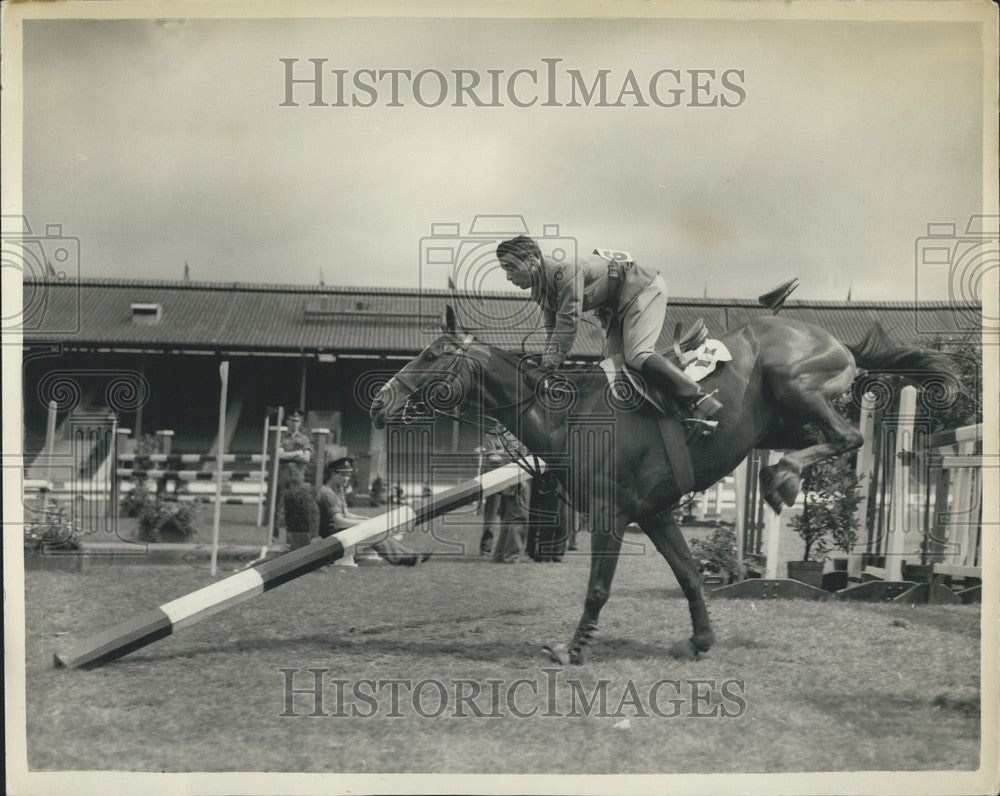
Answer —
153 625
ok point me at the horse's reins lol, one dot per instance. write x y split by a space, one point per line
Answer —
495 429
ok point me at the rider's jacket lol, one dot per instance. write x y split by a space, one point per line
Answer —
564 290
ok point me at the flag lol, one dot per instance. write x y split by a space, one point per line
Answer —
850 287
50 272
187 272
451 284
704 293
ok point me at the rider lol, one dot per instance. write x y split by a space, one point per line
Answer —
631 300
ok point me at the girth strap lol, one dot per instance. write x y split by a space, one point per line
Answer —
675 445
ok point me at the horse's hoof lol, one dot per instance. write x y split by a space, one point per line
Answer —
788 488
684 650
773 499
769 488
558 653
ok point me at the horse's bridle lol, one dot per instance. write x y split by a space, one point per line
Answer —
423 408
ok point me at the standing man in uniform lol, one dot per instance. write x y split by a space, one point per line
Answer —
294 454
631 301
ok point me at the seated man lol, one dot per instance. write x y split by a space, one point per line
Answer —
334 515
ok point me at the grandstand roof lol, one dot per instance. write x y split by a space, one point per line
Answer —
374 321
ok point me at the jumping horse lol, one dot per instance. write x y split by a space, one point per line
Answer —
784 375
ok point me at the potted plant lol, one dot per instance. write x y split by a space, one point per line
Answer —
167 521
716 556
829 501
844 519
51 538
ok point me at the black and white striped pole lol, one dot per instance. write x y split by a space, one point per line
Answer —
172 616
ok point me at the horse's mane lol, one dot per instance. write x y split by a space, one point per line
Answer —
584 376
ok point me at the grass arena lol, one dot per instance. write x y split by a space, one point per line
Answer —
439 669
180 657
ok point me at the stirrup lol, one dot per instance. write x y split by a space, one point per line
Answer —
703 409
707 427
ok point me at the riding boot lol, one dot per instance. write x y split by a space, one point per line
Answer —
669 378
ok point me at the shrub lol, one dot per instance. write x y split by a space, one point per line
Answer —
830 499
134 502
145 446
51 529
717 553
167 521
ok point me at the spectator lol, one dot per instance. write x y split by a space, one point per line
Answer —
513 525
335 516
491 514
377 492
547 525
490 506
294 455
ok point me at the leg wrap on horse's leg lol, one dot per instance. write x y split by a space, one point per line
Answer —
703 637
584 633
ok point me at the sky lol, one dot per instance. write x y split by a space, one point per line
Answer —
159 143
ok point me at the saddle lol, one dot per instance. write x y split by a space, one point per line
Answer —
694 353
698 356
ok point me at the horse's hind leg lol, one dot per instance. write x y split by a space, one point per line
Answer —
782 482
668 539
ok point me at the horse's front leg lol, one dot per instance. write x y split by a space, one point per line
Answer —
605 545
668 539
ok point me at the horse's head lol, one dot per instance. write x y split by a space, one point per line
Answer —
438 381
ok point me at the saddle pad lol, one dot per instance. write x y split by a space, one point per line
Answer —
617 256
697 365
703 360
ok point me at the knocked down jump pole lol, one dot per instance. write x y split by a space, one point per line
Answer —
169 617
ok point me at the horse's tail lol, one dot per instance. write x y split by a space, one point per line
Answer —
877 354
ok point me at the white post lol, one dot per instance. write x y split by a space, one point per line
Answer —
50 440
865 470
701 506
165 438
262 488
320 437
275 464
772 528
719 488
480 450
219 464
739 519
121 447
901 494
961 526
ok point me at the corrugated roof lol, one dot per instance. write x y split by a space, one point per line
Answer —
293 318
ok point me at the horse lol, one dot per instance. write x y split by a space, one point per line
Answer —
784 376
